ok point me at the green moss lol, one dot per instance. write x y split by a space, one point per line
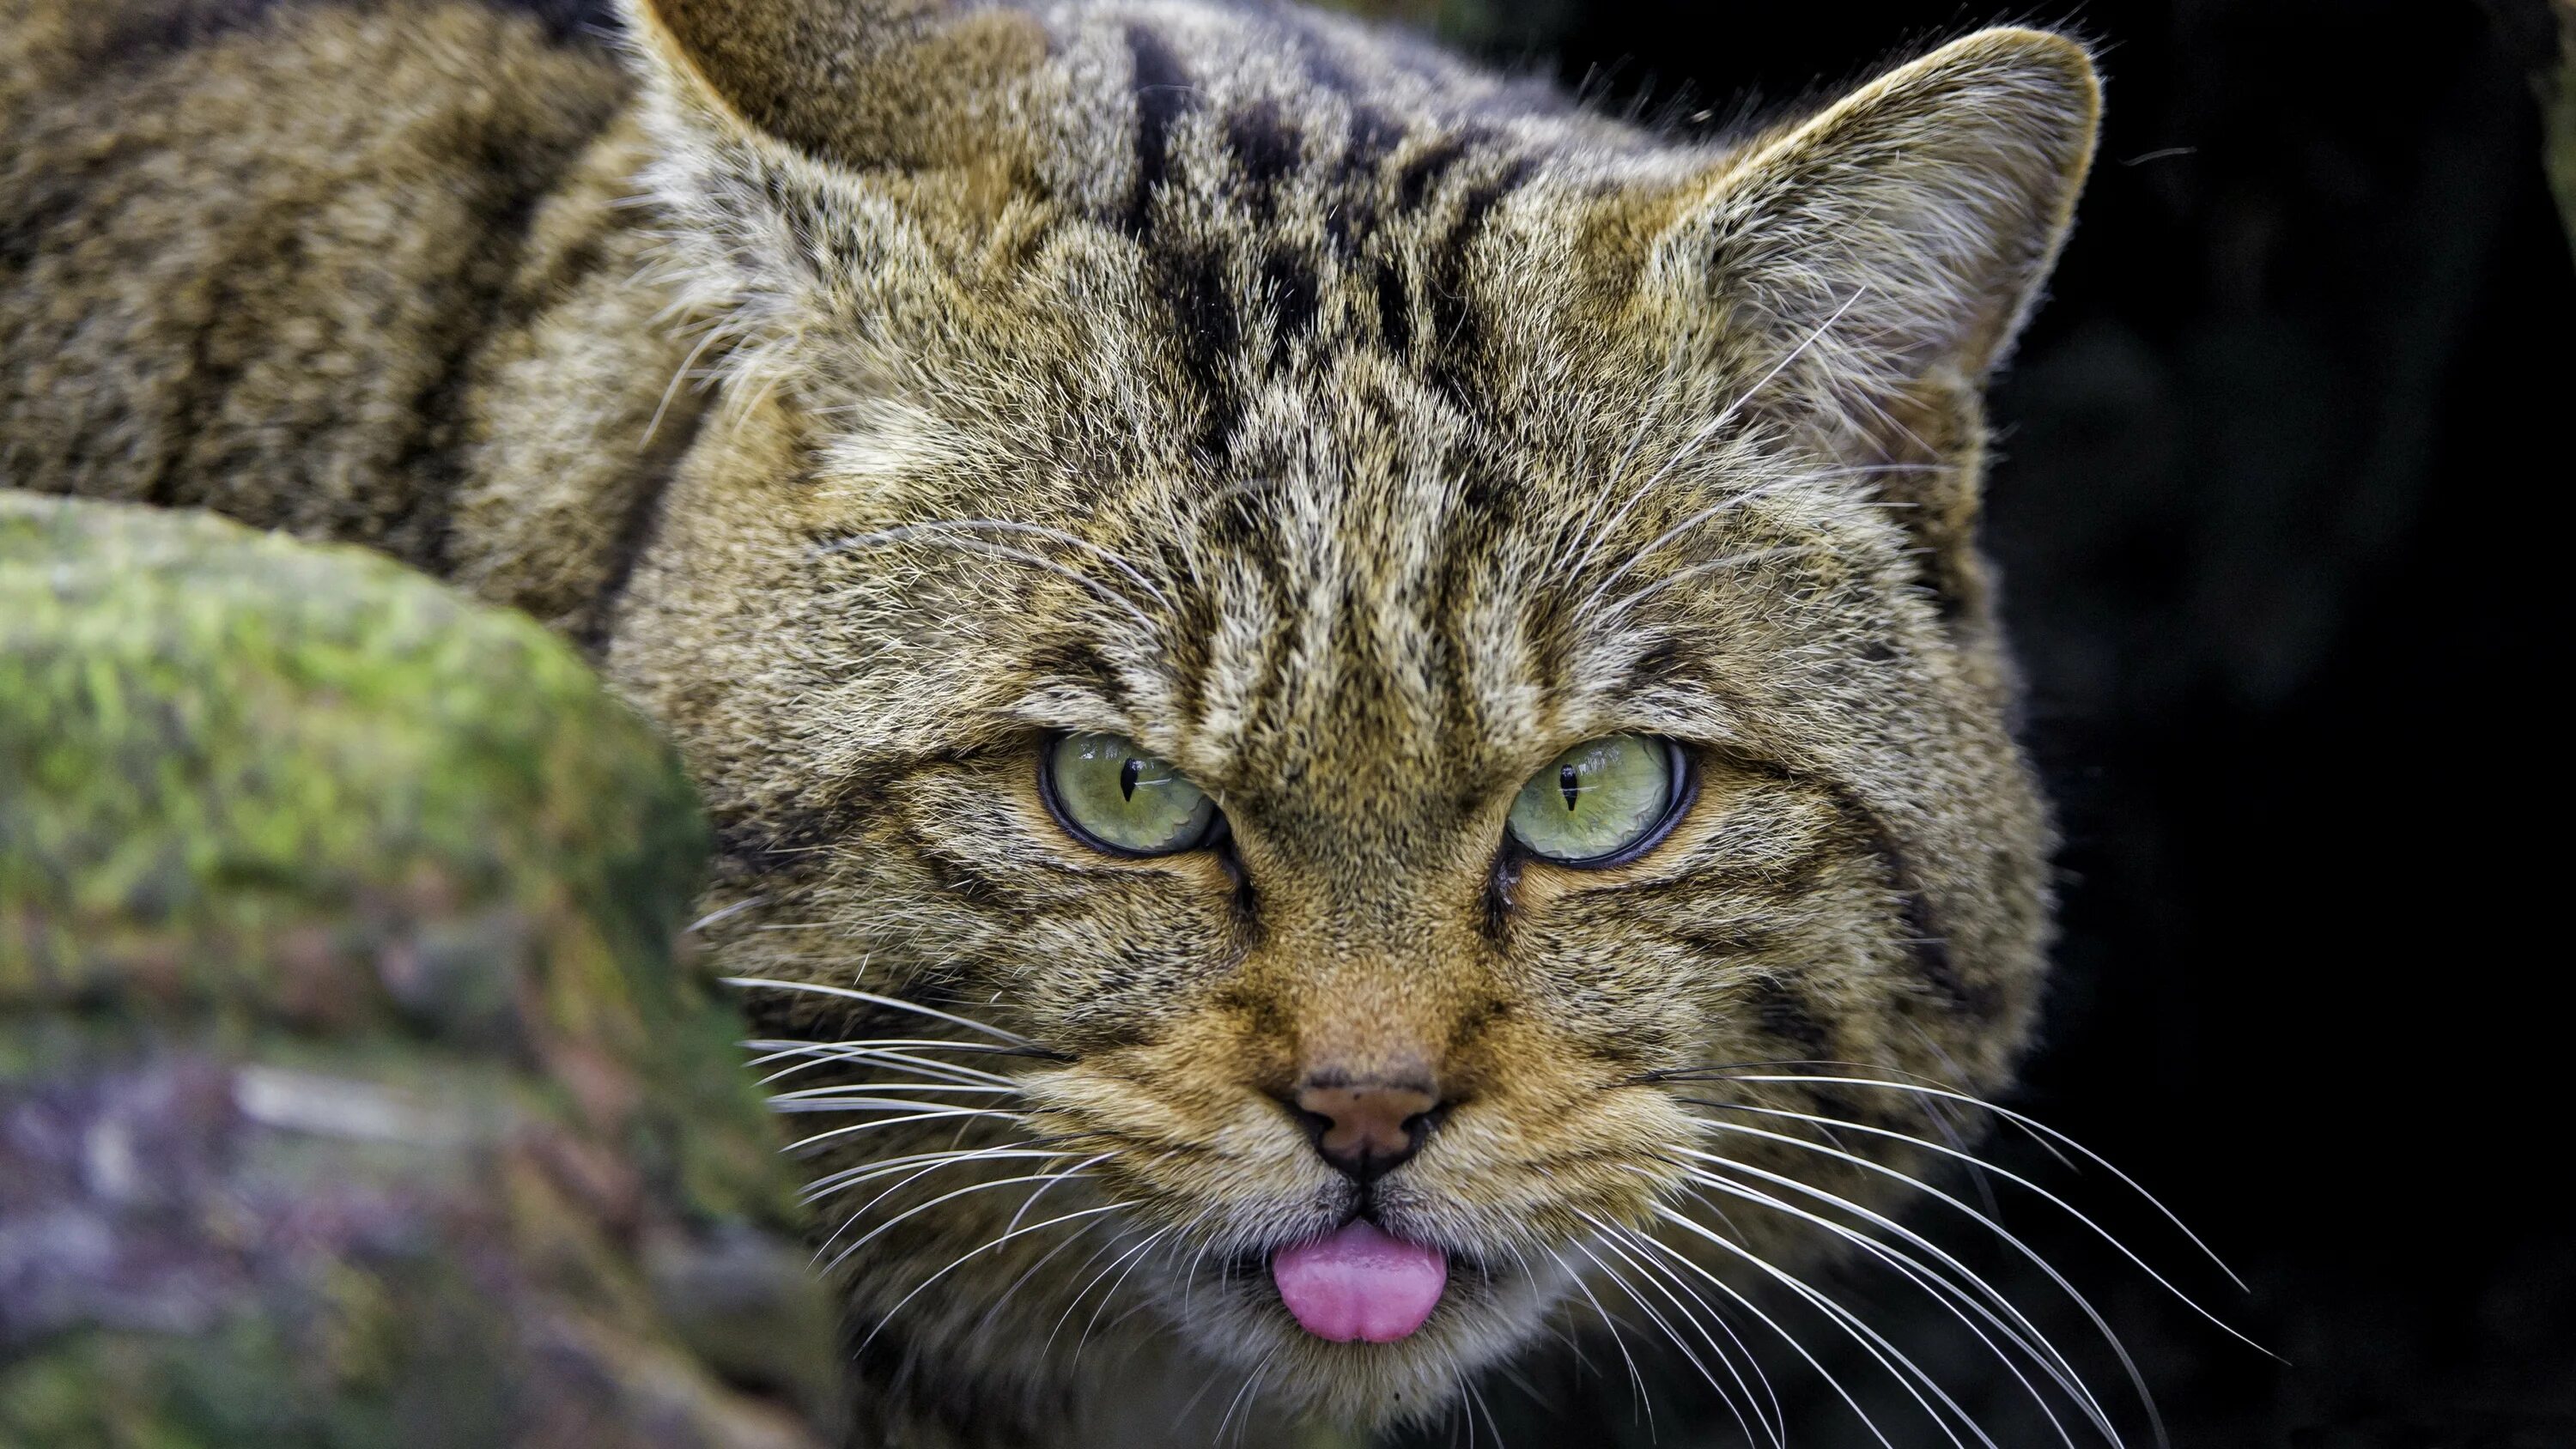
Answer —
213 734
339 962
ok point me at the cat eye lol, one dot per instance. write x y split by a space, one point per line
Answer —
1600 803
1114 797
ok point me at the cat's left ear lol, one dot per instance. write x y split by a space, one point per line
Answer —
823 165
861 85
1890 246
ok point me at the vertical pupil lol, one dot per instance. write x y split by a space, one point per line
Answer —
1128 774
1568 780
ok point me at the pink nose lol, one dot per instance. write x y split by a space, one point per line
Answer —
1367 1129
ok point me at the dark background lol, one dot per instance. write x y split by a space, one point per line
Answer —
2278 511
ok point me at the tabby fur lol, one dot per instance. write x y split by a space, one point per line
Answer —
880 386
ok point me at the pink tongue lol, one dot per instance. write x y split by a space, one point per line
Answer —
1360 1284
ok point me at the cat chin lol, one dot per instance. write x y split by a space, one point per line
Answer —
1231 1314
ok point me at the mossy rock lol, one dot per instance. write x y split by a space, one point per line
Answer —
356 1084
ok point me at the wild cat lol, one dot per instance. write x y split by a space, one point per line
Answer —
1354 712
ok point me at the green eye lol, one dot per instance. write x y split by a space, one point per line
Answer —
1598 801
1115 796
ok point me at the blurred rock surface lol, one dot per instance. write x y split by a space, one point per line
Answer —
355 1085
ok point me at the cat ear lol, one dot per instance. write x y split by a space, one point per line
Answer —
1890 246
859 84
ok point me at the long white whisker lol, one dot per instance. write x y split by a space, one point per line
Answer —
804 1094
807 1055
986 1247
1085 1291
1086 582
786 1047
850 1177
1936 1288
1653 1315
846 993
889 1224
1250 1382
806 1061
1685 575
1959 1303
1777 1425
1190 1404
1065 1176
1747 1304
1944 1117
723 913
1858 1330
823 1101
930 1162
1636 1380
1134 1261
2008 1175
1089 1283
993 1310
2056 1363
1003 525
1692 444
967 1114
1679 1342
2034 1125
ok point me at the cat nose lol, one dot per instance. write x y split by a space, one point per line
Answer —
1367 1129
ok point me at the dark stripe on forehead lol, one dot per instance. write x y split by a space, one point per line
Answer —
1163 95
1477 207
1457 332
1352 212
1266 148
1394 309
1209 332
1294 299
1414 182
1374 137
657 471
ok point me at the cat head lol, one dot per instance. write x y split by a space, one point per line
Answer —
1392 639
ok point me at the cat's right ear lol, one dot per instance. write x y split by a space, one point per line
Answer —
1893 243
861 85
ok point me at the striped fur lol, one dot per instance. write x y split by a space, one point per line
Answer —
1352 427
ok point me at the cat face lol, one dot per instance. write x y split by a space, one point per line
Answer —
1388 644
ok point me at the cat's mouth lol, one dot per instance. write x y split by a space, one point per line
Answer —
1364 1282
1360 1283
1367 1317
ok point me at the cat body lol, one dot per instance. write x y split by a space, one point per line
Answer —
888 393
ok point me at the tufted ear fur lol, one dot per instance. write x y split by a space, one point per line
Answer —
862 84
1863 271
829 165
1900 237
